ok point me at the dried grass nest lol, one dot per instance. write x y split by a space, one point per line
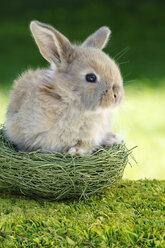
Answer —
57 176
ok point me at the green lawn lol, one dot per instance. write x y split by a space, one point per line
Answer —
130 215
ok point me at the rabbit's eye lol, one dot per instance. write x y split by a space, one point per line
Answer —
91 78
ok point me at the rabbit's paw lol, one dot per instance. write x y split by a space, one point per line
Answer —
79 150
113 139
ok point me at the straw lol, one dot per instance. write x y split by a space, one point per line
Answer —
56 176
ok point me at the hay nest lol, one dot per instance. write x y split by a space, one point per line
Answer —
56 176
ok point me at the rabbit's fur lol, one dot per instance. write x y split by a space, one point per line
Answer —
57 109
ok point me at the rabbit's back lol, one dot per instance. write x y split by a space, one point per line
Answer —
23 88
24 111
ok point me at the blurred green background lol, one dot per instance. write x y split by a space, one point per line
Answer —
137 44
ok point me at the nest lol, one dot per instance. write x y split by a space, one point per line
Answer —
57 176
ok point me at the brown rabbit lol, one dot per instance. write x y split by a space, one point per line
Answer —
67 107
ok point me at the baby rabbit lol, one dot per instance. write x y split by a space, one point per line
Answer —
67 107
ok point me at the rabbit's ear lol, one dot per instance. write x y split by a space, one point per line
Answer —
53 46
98 39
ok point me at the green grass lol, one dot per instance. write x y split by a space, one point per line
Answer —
57 176
130 215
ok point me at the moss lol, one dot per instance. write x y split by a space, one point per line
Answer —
130 215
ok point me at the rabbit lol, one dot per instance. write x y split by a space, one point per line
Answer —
68 106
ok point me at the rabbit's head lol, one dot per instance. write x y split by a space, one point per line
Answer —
83 74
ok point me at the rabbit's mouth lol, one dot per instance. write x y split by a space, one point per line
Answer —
111 99
107 99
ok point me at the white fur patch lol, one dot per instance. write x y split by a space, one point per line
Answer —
113 139
79 150
50 73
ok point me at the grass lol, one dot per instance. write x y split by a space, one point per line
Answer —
130 215
56 176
